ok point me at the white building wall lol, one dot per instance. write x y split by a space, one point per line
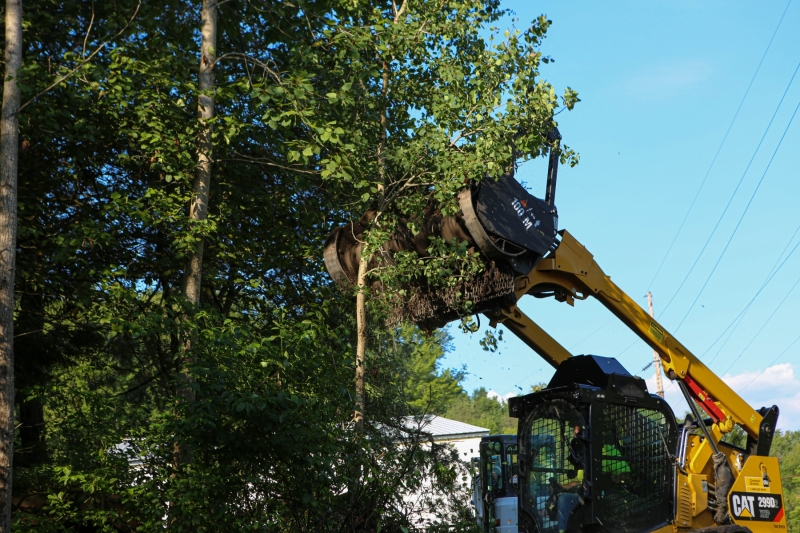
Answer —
466 448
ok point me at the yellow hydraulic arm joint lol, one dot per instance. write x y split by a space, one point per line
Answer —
570 272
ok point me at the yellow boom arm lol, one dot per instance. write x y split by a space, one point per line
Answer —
570 273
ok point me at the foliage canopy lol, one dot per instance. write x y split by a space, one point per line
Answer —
323 109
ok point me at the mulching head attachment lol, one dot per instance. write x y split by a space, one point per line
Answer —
511 229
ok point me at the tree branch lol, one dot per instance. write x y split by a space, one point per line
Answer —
82 63
88 31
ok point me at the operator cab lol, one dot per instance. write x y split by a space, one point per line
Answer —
596 452
495 490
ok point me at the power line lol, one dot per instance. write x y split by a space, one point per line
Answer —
724 138
738 318
772 272
730 199
763 325
628 348
591 334
750 201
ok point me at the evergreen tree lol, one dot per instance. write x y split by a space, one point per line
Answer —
429 387
483 411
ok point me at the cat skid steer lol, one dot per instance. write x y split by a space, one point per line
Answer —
597 452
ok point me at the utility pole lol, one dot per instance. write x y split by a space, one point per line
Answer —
656 357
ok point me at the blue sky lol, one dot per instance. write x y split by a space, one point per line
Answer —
660 83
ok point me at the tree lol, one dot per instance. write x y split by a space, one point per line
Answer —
430 388
483 411
108 171
198 207
434 107
786 447
9 161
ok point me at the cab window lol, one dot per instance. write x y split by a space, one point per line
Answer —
513 465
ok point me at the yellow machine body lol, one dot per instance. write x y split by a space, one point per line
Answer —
755 500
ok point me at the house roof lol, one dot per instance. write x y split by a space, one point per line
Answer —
441 428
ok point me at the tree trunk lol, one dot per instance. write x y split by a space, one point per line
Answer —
9 159
361 344
361 297
198 208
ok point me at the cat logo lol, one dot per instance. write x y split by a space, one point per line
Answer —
758 507
743 506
